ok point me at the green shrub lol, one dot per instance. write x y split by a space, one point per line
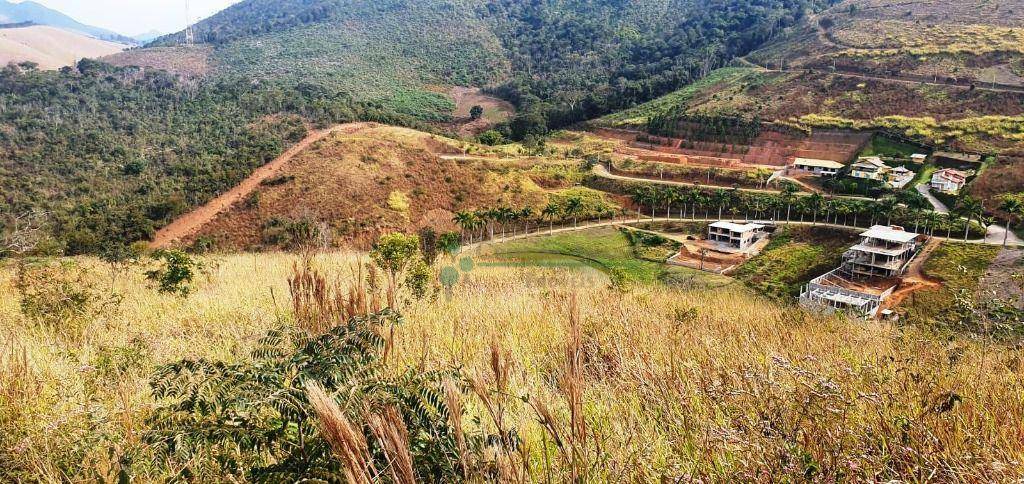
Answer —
176 272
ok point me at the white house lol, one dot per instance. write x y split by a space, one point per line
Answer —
736 236
949 181
882 252
870 168
867 277
919 158
900 177
818 167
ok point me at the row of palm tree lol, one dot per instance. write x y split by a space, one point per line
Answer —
905 208
478 225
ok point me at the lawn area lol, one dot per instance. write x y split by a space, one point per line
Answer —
959 267
793 257
887 147
605 249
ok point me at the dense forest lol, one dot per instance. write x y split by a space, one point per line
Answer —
576 60
567 60
110 154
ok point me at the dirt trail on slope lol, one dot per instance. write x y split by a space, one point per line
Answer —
915 280
190 223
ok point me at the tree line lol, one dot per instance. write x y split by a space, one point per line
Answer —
791 205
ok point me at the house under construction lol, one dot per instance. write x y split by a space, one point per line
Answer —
870 273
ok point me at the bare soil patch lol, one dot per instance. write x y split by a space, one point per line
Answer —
183 60
355 183
495 111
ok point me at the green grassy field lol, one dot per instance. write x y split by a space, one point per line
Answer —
793 257
959 267
605 249
887 147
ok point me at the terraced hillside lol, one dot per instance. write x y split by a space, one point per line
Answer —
943 72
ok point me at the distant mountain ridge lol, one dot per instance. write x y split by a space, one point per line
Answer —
50 47
16 13
148 36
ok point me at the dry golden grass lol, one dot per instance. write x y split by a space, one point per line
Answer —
883 37
663 383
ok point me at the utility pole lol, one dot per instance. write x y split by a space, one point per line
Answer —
190 35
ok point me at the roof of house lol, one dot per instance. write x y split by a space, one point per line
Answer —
918 156
818 163
891 234
901 169
955 176
870 162
735 227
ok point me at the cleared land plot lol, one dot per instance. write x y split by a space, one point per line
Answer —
960 268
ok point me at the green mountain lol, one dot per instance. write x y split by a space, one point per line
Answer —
113 153
572 59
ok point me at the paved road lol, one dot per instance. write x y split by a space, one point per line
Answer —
927 193
997 234
647 219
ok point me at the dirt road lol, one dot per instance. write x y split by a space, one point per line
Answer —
190 223
915 280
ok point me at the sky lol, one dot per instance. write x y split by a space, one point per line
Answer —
133 17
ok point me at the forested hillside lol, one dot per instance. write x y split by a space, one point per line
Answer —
560 61
109 154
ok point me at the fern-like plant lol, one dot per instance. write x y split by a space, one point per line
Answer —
253 421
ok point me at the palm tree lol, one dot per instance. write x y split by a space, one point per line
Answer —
486 218
887 206
465 221
1013 205
512 215
814 203
720 198
671 196
788 193
550 212
525 214
969 208
642 195
573 206
931 219
951 219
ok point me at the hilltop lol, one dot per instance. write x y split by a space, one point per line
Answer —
51 47
362 181
12 13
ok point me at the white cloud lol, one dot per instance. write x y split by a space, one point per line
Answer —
132 17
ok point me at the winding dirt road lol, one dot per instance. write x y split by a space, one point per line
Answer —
190 223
